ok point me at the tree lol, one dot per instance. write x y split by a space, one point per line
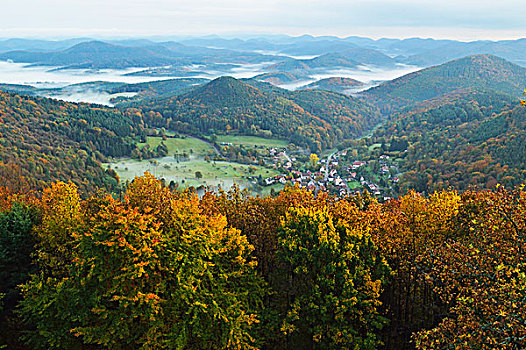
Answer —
481 275
335 278
313 159
16 247
148 272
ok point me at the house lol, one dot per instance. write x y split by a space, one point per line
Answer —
269 181
358 163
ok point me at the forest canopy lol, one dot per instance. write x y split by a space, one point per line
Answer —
167 269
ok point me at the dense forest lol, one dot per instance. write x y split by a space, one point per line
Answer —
158 269
46 140
458 125
470 138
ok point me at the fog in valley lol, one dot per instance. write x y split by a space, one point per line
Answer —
45 77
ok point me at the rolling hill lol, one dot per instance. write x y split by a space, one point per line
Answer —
349 58
474 72
128 53
335 84
312 119
466 138
280 78
363 55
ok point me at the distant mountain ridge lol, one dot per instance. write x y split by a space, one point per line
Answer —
96 54
511 50
99 54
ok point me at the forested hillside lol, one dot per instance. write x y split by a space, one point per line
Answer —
44 140
468 138
313 119
475 72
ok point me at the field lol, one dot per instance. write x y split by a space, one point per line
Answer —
252 141
267 190
354 185
374 146
190 145
196 171
222 174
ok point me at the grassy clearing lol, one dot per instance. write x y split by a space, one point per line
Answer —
354 184
374 146
222 174
252 141
188 144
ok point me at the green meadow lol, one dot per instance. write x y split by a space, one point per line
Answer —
195 171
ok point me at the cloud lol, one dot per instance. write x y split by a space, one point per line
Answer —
184 17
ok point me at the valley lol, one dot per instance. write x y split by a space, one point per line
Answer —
262 175
264 192
228 118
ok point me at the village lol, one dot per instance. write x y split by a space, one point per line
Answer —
339 173
266 166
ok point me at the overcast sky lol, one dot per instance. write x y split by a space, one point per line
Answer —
456 19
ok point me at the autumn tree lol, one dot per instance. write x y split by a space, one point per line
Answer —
141 273
481 274
313 158
403 230
335 276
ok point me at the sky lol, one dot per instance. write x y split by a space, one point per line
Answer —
452 19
